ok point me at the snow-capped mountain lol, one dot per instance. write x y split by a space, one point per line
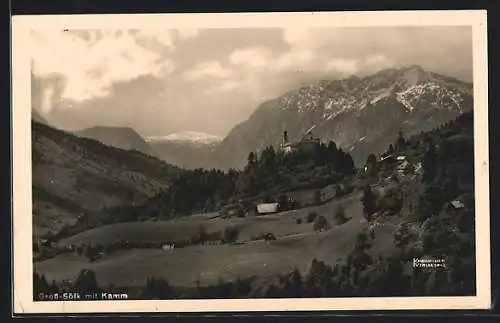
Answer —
187 137
187 149
362 115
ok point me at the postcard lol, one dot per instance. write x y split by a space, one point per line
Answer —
231 162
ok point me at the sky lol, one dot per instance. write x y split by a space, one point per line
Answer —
208 80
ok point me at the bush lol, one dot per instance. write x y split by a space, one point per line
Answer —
321 224
269 237
340 215
391 203
298 221
311 216
230 235
317 197
157 288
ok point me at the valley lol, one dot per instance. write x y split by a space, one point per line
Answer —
375 185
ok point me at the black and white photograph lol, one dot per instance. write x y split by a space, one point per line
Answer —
251 162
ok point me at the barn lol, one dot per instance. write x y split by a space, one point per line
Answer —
267 208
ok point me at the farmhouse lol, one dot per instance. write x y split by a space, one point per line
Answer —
267 208
404 167
457 204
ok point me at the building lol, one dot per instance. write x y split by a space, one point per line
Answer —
267 208
306 143
457 204
286 146
404 167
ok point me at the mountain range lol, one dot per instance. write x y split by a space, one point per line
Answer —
186 149
119 137
361 115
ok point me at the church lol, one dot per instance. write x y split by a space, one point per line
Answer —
306 143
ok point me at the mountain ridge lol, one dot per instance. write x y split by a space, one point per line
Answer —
116 136
74 176
375 108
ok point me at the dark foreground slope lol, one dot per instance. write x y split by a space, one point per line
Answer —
75 176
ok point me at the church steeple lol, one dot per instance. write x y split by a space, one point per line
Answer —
285 137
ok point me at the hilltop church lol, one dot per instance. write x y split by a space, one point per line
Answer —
306 143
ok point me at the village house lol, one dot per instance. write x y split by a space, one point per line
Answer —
456 205
267 208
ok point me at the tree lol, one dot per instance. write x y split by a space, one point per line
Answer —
430 164
371 163
317 197
40 284
321 224
311 216
369 203
283 203
157 288
400 141
86 282
340 215
371 159
251 159
230 234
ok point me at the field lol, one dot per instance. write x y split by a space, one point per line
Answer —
296 246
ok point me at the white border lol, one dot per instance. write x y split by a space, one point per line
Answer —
22 226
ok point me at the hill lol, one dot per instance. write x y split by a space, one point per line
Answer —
74 176
361 115
119 137
36 116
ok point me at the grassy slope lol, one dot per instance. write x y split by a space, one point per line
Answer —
73 176
296 246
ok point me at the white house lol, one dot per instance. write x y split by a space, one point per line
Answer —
457 204
267 208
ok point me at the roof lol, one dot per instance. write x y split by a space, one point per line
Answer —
404 165
457 204
267 207
385 157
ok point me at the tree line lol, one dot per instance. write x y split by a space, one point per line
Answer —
202 190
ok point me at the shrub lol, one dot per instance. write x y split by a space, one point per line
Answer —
311 216
230 235
321 224
298 221
340 215
157 288
269 236
317 197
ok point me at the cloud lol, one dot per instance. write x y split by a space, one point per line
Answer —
343 66
207 69
251 57
377 62
226 86
91 61
208 80
297 59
